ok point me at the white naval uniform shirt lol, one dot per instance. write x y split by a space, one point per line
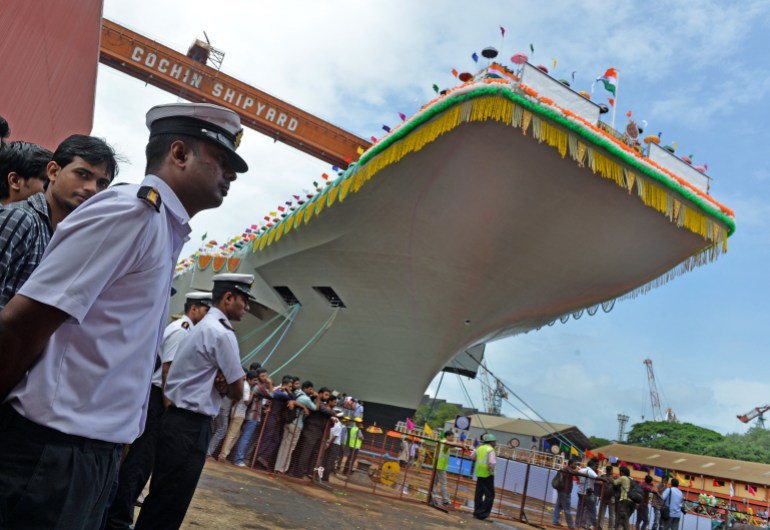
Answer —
211 346
173 336
109 266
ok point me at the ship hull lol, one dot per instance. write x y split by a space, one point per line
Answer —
482 234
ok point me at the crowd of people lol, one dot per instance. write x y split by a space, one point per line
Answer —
617 498
289 428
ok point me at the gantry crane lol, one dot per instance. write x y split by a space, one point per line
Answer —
191 77
757 413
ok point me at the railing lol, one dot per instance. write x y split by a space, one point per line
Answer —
523 478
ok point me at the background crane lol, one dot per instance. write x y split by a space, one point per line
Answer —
493 391
757 413
657 412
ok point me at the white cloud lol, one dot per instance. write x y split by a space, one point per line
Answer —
357 64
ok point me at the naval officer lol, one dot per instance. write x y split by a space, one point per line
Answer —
79 339
185 429
136 468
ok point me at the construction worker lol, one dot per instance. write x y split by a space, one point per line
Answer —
442 464
352 444
485 476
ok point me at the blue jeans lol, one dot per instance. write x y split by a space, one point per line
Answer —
249 428
563 501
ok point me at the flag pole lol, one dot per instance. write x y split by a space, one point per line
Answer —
615 105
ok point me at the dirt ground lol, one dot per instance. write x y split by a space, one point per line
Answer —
229 497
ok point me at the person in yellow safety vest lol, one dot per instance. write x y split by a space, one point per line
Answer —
352 444
485 476
442 464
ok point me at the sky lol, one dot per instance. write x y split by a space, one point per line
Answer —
697 71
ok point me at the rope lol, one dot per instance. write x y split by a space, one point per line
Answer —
553 432
263 326
262 344
435 396
324 328
280 339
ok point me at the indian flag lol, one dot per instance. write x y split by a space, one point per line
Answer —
610 80
496 71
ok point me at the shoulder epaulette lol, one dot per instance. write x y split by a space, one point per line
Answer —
151 196
185 325
225 324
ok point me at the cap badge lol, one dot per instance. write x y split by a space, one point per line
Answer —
237 140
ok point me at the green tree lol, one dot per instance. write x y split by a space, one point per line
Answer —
598 441
682 437
754 446
436 418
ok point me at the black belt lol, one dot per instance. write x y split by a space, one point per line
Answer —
12 419
184 412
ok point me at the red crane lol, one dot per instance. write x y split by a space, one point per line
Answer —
757 413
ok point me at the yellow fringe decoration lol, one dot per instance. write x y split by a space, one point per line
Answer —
505 111
527 118
309 211
630 178
332 195
298 219
279 231
555 137
344 188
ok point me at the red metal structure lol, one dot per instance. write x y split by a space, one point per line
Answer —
190 77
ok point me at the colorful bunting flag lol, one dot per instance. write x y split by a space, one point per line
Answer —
409 424
454 72
348 160
386 128
546 445
531 47
360 150
612 101
402 116
590 454
203 237
502 31
752 491
325 176
335 168
435 88
601 456
564 448
475 57
428 431
574 451
373 139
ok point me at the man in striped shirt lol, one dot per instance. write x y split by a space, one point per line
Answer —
81 167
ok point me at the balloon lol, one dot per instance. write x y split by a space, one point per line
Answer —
489 53
519 58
